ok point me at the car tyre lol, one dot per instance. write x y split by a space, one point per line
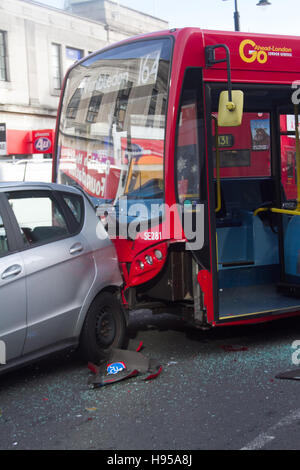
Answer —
104 328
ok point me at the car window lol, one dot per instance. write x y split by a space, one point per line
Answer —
75 204
4 247
38 215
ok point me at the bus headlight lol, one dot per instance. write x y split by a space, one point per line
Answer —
142 265
158 254
149 259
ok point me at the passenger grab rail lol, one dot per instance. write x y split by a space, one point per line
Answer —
219 200
277 211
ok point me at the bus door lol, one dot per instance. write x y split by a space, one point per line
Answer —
191 192
256 237
290 209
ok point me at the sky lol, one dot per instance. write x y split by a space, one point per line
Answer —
281 17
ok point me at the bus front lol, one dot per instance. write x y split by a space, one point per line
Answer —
111 140
204 213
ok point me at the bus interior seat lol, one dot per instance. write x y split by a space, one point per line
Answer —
247 194
224 218
243 240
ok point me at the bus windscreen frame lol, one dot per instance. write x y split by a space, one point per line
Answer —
111 133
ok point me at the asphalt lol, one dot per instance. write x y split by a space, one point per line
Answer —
217 390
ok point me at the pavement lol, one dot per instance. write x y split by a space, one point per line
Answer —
217 390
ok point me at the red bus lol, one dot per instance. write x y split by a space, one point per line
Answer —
201 195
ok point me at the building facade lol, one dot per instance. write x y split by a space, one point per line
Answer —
37 45
116 18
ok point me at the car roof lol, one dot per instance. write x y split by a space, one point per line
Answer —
27 185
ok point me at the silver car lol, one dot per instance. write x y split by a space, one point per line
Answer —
59 275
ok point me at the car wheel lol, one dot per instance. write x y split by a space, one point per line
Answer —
104 328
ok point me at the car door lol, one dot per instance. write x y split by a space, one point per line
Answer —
59 265
12 293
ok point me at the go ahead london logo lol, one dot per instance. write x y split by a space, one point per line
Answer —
251 52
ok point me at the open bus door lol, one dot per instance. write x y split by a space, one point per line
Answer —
194 188
191 191
290 210
255 225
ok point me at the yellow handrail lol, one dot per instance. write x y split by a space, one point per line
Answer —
219 200
277 211
285 211
261 209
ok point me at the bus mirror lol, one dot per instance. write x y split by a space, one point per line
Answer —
230 113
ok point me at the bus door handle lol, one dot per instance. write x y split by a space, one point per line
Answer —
76 248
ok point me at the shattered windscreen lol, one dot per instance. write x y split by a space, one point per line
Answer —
112 126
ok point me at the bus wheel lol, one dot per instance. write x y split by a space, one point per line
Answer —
104 328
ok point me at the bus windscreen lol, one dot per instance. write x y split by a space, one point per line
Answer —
112 123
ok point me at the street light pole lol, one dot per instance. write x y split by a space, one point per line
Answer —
236 17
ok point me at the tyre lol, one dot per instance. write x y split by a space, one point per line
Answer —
104 328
